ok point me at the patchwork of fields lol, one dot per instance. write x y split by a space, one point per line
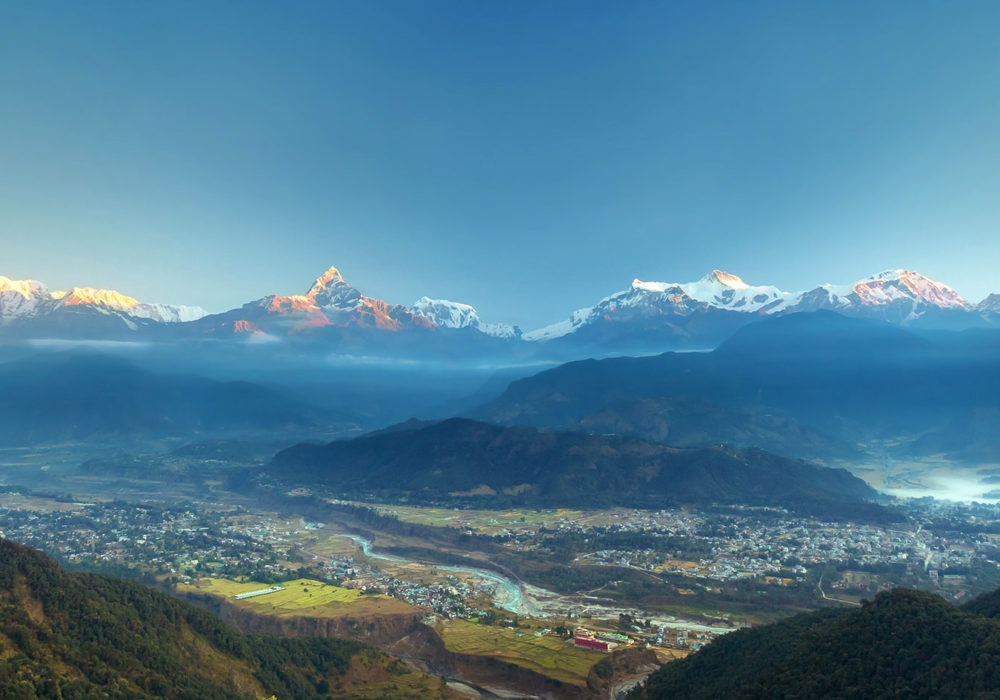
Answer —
547 654
301 597
485 522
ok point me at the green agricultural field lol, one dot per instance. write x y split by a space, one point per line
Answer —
301 597
487 522
549 655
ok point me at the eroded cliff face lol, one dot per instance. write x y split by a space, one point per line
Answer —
621 671
407 638
423 646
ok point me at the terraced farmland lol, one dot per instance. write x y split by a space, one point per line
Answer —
549 655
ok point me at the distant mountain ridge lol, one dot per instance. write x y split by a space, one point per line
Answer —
702 313
29 308
989 305
823 377
452 314
332 303
645 317
24 300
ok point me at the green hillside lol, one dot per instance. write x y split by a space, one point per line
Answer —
70 635
904 644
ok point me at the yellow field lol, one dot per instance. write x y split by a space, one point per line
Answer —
38 503
301 597
327 544
678 565
549 655
667 655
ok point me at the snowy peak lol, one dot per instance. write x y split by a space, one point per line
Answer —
725 279
725 290
330 278
24 288
453 314
110 300
715 281
893 285
990 304
331 301
88 296
170 313
329 294
716 289
658 302
557 330
23 299
448 314
654 287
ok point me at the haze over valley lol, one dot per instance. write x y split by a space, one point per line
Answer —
478 480
567 351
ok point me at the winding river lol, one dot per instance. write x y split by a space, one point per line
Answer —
507 595
527 600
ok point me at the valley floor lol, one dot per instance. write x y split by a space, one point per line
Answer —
508 585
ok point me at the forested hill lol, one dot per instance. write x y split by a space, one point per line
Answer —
904 644
70 635
551 468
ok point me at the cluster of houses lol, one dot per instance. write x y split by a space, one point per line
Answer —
601 641
779 549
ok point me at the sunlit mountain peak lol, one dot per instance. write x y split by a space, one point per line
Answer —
98 297
23 287
726 279
331 277
889 285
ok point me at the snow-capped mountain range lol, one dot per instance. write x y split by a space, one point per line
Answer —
331 303
659 314
898 296
26 299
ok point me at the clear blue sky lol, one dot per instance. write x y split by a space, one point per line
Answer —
526 157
